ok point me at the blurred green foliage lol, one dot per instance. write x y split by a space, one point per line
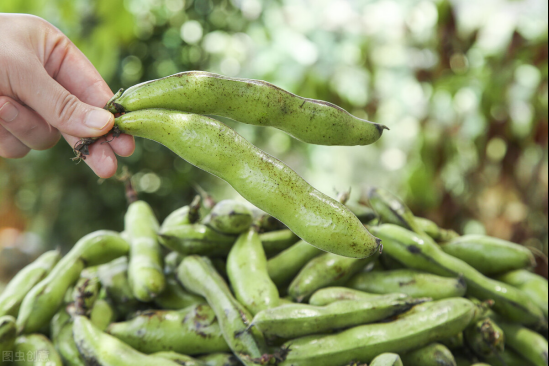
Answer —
463 87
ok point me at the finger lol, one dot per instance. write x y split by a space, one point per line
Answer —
101 158
123 145
10 146
26 125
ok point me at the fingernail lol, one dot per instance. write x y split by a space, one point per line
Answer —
8 112
98 118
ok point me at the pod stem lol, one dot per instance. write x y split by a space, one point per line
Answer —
81 148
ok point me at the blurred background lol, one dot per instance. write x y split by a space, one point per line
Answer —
462 86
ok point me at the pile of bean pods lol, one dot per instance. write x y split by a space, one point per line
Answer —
228 285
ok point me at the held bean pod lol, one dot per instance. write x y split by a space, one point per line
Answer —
263 180
249 101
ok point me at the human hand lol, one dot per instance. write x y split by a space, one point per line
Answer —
49 88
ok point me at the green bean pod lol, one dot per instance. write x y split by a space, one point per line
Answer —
485 338
261 179
532 284
391 210
102 314
247 271
434 354
425 323
35 350
66 347
220 359
185 215
179 358
198 275
410 282
420 252
434 231
277 241
298 320
43 301
190 331
329 295
326 270
508 358
24 281
146 264
488 255
287 264
454 342
98 348
8 333
196 239
254 102
364 213
171 262
387 359
229 217
114 279
175 297
85 294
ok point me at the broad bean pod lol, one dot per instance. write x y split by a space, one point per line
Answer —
532 284
249 101
298 320
387 359
179 358
102 314
424 324
43 301
198 275
420 252
508 358
146 264
329 295
8 333
171 262
323 271
434 231
38 346
277 241
24 281
185 215
410 282
287 264
220 359
66 346
98 348
175 297
434 354
193 330
261 179
488 255
247 271
364 213
196 239
114 279
229 217
454 342
485 338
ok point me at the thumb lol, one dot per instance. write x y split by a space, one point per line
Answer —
63 110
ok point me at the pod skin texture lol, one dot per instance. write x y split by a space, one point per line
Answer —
434 354
98 348
38 346
298 320
420 252
387 359
287 264
43 301
229 217
146 264
532 284
261 179
329 295
247 271
190 331
250 101
424 324
409 282
8 333
490 255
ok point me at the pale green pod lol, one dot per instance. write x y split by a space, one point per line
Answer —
43 301
191 331
175 297
220 359
324 271
434 354
247 271
532 284
329 295
454 342
146 264
85 294
286 265
391 210
434 231
364 213
490 255
98 348
410 282
179 358
275 242
8 333
24 281
35 350
420 252
485 338
198 275
229 217
425 323
298 320
250 101
261 179
196 239
508 358
184 215
114 279
102 314
387 359
171 262
66 347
